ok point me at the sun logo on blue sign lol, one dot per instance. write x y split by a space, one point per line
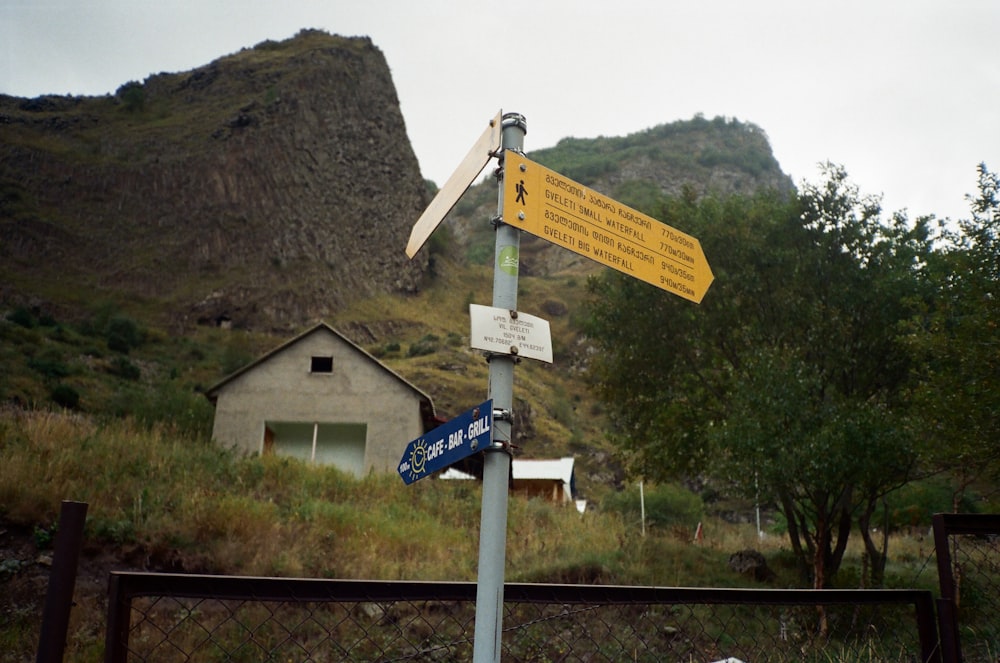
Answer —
418 458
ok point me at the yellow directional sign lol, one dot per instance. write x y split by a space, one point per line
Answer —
555 208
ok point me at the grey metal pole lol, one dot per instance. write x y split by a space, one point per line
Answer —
496 469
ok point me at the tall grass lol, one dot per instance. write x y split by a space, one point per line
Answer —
165 501
187 503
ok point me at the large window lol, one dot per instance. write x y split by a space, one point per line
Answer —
342 445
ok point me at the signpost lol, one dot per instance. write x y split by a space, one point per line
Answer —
564 212
447 444
556 208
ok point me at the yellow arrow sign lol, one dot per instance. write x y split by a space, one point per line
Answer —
553 207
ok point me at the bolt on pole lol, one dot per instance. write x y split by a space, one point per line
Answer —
497 459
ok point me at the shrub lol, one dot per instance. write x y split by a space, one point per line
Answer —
23 317
132 95
666 506
425 346
387 349
122 334
913 504
44 536
123 368
65 396
479 253
176 409
49 365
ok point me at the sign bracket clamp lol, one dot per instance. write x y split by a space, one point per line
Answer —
512 355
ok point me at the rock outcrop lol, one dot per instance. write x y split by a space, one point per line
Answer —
266 188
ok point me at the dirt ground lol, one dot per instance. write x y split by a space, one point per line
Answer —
25 565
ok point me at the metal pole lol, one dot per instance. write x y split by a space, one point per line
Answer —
496 468
642 508
62 581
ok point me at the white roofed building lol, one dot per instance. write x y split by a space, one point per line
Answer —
549 479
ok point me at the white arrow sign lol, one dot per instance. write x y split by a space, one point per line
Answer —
460 180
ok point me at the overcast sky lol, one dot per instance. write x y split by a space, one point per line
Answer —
905 94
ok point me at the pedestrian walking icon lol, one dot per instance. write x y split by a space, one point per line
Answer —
521 193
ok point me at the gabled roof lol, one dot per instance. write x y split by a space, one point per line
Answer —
213 391
529 468
558 469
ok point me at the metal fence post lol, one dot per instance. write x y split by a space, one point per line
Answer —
947 619
119 614
62 580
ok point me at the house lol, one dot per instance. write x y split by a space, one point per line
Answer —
321 398
549 479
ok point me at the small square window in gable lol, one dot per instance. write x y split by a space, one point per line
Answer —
321 365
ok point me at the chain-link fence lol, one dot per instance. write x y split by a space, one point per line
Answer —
968 556
156 617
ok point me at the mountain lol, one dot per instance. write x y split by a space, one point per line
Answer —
722 156
154 240
268 187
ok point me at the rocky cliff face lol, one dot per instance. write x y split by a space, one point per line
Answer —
267 188
698 157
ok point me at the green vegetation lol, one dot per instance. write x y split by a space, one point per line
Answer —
842 370
839 356
133 96
96 366
956 341
179 502
693 147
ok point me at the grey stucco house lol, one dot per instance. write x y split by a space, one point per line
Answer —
322 398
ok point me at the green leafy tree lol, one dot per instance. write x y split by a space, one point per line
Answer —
957 339
787 379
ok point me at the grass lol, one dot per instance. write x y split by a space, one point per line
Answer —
218 511
179 502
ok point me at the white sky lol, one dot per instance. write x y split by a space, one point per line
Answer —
905 94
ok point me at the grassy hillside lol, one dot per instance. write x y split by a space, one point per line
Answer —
112 364
163 501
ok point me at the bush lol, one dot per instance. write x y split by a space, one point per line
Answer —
387 349
65 396
132 95
122 334
666 506
426 346
23 317
479 253
123 368
49 365
182 411
915 503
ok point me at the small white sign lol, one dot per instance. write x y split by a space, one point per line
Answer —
510 333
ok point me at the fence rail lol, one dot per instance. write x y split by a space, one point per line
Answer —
167 617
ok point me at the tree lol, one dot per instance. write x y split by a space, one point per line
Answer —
957 341
788 378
